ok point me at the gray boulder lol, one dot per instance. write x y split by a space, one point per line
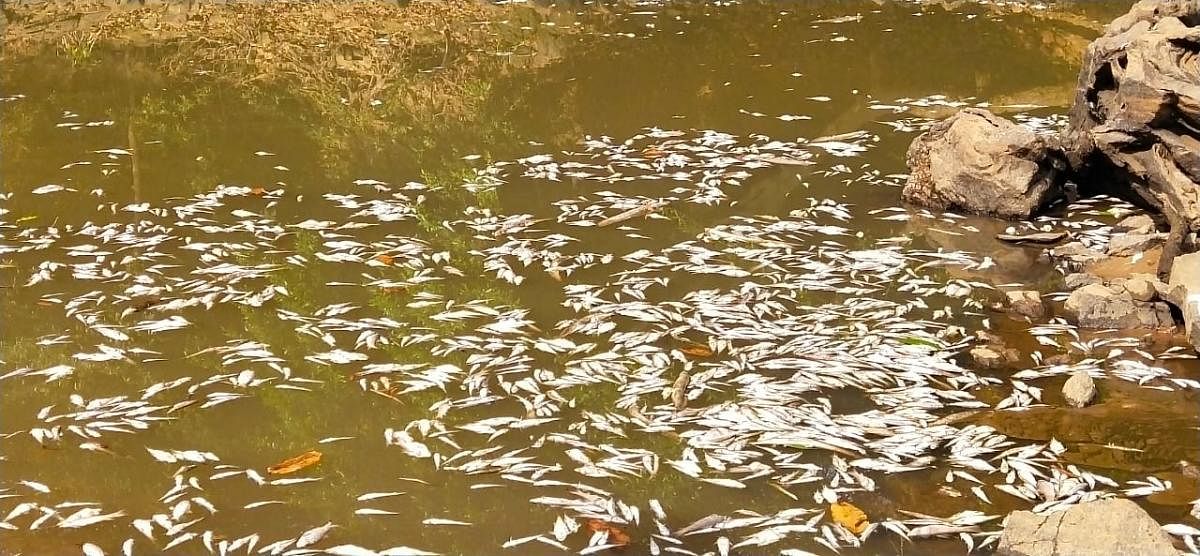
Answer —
1184 292
1102 527
1124 245
1078 280
1141 287
978 162
1079 390
1099 306
1136 224
1075 255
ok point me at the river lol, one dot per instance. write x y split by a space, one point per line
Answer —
573 281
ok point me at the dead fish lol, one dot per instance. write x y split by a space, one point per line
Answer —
710 521
314 535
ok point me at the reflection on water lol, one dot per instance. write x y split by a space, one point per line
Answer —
558 307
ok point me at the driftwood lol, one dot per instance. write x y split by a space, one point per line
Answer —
1135 126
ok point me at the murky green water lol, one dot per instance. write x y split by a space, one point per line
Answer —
757 72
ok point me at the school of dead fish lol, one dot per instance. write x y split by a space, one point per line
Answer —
727 344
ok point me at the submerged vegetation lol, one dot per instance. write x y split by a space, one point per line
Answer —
466 278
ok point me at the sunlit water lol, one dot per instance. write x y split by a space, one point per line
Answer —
302 288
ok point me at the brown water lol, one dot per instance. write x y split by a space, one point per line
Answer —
744 70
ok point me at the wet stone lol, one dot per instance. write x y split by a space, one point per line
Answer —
987 357
988 337
1027 303
1075 255
1058 359
1079 390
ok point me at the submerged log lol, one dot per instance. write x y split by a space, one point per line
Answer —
1135 125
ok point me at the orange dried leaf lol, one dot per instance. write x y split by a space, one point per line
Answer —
697 350
258 192
849 516
385 258
292 465
615 534
653 152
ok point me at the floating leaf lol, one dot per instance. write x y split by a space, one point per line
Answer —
615 534
292 465
653 152
849 516
385 258
697 350
258 192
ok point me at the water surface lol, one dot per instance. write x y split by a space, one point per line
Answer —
296 238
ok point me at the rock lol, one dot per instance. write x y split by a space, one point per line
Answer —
1124 245
1141 287
1175 295
952 333
1058 359
1078 280
987 337
1075 255
1188 469
986 357
1162 313
1027 303
1138 82
1110 526
1136 224
1037 237
1079 390
1099 306
978 162
1184 293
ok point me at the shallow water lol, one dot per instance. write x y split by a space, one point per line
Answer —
864 76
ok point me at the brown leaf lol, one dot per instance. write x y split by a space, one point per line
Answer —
849 516
653 152
292 465
385 258
615 534
697 350
258 192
